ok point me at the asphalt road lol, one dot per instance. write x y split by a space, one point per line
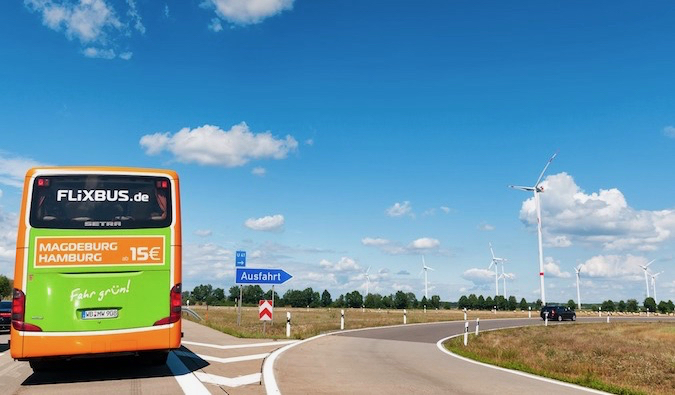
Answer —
405 359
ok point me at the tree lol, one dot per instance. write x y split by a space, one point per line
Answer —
608 305
268 296
252 294
621 306
513 303
671 306
373 301
354 299
388 302
663 307
217 297
489 303
400 300
424 302
435 301
463 302
632 306
325 298
523 304
234 293
571 304
5 287
473 301
412 300
340 301
201 292
650 304
538 303
481 302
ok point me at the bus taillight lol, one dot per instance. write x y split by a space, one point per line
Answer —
19 313
175 303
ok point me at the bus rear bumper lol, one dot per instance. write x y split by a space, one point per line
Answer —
33 345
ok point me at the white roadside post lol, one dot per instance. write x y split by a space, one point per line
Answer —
342 319
288 324
477 325
465 314
405 316
529 314
599 312
466 333
363 308
608 317
425 309
546 318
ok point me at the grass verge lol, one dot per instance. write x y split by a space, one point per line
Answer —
620 358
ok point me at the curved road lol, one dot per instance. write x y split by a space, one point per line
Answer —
405 359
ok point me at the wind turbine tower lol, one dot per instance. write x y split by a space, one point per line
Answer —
426 282
504 276
653 276
537 189
646 278
578 270
367 282
495 261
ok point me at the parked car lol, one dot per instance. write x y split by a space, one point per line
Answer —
558 313
5 315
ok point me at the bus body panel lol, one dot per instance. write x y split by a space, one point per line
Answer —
88 297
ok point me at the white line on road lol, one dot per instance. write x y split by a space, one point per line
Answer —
223 360
186 379
234 346
439 344
227 381
268 366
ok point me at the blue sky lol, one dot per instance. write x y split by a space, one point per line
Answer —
328 137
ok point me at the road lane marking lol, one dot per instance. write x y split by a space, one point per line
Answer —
187 380
222 360
439 344
268 366
234 346
228 381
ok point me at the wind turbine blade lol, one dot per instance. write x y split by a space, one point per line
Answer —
522 188
491 251
368 270
430 268
544 171
650 262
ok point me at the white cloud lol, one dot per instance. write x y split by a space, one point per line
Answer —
245 12
445 209
425 243
216 25
202 263
394 248
614 266
8 223
89 22
309 142
552 268
126 55
486 227
267 223
99 53
345 264
398 209
203 232
479 276
669 131
369 241
166 11
210 145
601 218
403 273
259 171
13 169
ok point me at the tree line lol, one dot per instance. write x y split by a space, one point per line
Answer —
251 294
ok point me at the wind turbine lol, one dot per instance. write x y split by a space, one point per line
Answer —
367 281
578 270
425 268
537 189
653 276
646 279
495 261
504 276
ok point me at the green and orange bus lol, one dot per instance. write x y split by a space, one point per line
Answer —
98 264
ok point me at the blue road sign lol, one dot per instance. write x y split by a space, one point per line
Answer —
261 276
240 259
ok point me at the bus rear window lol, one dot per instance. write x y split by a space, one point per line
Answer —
101 201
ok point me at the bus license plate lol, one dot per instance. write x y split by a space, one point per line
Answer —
99 314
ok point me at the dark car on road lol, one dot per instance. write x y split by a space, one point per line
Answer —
5 315
558 313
